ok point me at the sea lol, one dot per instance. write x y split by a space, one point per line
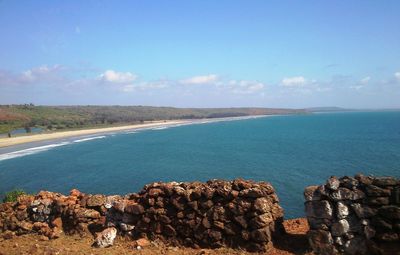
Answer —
291 152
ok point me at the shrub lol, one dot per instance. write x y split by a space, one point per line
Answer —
13 195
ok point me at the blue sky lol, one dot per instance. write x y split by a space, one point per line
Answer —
201 53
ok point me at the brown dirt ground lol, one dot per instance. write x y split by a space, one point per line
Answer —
294 242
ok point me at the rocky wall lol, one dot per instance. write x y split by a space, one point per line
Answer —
353 215
217 213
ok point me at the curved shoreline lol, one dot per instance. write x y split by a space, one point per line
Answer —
19 140
6 142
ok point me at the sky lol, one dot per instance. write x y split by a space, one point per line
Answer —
205 53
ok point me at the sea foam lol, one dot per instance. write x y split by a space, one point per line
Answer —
30 151
89 138
34 150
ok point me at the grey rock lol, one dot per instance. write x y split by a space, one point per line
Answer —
348 182
126 227
319 209
363 211
340 228
342 210
347 194
333 183
105 238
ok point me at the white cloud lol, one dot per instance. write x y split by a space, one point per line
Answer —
397 76
296 81
365 80
242 86
204 79
146 85
42 74
118 77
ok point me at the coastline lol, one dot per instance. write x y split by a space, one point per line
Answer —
6 142
41 137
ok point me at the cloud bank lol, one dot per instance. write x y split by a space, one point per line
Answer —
57 84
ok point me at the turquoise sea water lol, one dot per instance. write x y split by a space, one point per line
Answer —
291 152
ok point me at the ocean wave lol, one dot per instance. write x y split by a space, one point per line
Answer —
30 151
88 139
159 128
131 132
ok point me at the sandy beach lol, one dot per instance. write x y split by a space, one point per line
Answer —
5 142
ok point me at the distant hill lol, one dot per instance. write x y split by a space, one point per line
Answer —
72 117
340 109
328 109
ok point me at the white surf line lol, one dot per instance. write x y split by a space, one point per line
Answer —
34 150
89 138
161 128
30 151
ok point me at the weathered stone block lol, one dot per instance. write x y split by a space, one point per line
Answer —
342 210
96 200
340 228
262 205
376 191
333 183
261 235
319 209
312 193
316 223
134 208
321 242
105 238
348 182
363 211
347 194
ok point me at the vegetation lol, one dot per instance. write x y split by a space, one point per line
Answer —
13 195
70 117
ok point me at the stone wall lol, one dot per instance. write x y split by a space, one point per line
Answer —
353 215
237 213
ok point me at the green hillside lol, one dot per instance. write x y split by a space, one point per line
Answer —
73 117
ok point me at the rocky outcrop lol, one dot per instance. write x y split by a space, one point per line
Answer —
105 238
217 213
353 215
